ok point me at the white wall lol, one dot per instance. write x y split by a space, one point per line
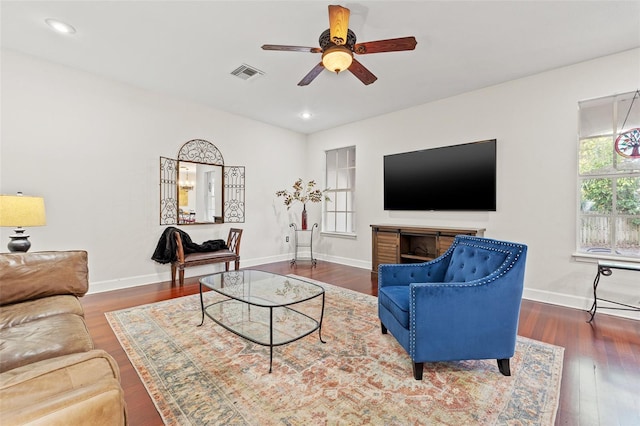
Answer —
91 148
534 120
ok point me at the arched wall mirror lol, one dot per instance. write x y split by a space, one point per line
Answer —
197 188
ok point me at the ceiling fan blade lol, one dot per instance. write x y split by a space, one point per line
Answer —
390 45
363 74
312 75
291 48
338 24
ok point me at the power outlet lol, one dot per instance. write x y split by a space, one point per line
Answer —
286 239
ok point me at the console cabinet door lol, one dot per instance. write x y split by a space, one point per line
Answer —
385 248
444 242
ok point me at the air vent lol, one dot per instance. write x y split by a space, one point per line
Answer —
247 72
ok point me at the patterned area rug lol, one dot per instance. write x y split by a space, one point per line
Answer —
209 376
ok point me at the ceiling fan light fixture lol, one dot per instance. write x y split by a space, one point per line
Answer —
337 58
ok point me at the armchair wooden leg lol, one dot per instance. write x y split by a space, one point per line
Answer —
417 370
173 275
384 329
181 273
503 366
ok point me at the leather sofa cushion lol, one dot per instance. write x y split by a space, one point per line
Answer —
470 263
41 339
26 276
396 300
80 388
19 313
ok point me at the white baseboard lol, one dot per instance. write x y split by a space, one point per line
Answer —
574 302
346 261
566 300
109 285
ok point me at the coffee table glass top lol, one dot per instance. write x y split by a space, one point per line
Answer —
259 288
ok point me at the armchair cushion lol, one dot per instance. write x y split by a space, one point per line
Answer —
396 300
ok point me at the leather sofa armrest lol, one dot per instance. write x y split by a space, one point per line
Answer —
77 369
83 386
99 403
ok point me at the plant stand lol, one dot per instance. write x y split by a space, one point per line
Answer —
303 238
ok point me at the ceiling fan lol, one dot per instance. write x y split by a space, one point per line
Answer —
338 44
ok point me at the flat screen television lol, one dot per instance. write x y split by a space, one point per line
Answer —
453 178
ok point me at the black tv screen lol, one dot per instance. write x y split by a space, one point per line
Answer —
458 177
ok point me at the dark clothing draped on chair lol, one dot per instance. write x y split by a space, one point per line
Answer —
166 250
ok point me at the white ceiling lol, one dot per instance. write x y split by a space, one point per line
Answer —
189 48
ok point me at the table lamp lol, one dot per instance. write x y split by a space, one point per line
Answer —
19 210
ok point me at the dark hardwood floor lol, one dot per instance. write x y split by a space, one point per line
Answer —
601 374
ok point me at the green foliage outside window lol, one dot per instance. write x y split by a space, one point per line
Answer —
597 158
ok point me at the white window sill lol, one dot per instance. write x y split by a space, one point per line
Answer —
349 236
593 258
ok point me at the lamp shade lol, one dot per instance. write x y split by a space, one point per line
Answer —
337 58
21 210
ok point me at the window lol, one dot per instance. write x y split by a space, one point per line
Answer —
609 176
339 214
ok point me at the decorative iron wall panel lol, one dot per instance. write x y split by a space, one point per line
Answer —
234 194
201 151
168 191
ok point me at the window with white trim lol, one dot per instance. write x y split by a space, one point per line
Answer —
339 213
609 176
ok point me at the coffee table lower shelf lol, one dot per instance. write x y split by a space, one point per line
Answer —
264 325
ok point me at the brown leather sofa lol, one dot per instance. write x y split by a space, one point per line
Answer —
50 373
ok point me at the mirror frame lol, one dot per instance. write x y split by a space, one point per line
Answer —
202 152
232 186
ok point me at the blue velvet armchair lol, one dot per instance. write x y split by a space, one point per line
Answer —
463 305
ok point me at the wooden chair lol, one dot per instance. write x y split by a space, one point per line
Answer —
232 254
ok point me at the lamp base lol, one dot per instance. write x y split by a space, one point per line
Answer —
19 241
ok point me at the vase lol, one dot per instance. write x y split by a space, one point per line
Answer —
304 216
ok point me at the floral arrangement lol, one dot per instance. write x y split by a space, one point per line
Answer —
303 193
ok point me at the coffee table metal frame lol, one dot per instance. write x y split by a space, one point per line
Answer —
239 297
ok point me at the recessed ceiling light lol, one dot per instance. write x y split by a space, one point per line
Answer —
60 26
305 115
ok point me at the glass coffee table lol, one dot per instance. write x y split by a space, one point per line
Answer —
264 308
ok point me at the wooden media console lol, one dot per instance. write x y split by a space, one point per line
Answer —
412 244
